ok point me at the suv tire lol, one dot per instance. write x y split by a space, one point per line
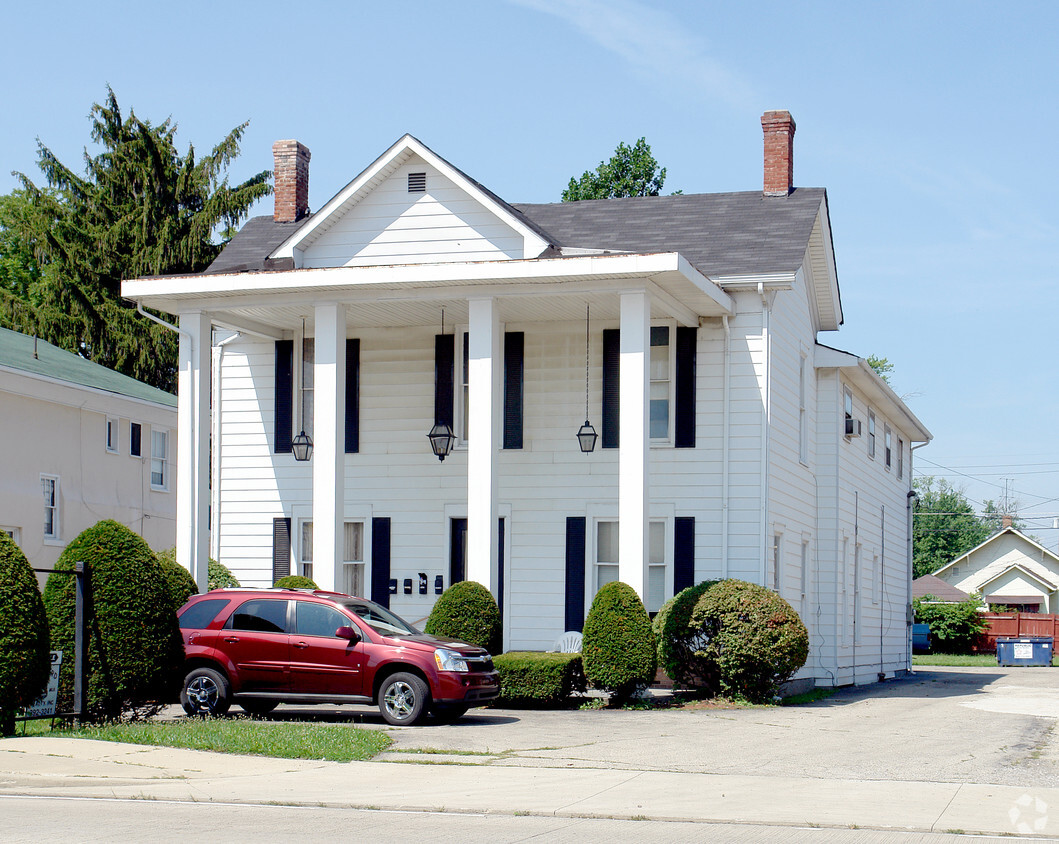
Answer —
403 699
205 692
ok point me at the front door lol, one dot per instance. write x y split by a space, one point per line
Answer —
322 663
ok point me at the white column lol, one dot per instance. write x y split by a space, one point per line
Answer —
634 380
192 446
485 364
328 460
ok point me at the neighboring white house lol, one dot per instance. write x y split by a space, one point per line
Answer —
82 443
417 298
1010 570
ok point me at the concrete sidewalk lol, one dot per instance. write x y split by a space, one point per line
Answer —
83 768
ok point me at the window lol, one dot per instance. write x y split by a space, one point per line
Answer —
262 616
871 434
606 554
661 382
13 532
353 559
135 439
803 421
50 488
305 546
112 435
465 390
308 365
847 411
804 584
201 614
900 458
657 587
887 437
656 566
159 459
777 545
317 619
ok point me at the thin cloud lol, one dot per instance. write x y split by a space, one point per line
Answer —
653 41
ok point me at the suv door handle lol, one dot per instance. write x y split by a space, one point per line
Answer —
231 639
301 645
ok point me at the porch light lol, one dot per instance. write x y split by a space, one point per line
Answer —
586 438
441 440
302 446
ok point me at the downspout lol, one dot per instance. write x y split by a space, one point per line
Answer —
726 433
217 355
766 411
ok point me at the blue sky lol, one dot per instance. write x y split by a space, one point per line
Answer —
932 125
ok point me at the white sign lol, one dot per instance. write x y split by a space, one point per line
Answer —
45 704
1023 650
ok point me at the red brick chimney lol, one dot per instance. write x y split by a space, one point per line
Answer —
778 127
291 174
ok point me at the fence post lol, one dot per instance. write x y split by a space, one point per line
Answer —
81 640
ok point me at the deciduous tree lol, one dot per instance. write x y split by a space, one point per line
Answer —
631 171
944 525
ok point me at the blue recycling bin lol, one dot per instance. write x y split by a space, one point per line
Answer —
1024 650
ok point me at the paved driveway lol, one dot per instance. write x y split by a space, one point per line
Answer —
973 725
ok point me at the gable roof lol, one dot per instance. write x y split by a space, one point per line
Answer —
24 353
1047 584
928 584
1003 532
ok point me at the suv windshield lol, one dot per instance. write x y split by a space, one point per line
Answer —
380 619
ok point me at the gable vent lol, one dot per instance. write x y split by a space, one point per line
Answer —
417 182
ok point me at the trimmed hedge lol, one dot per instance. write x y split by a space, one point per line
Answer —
678 640
617 643
135 652
753 636
220 577
467 612
178 579
529 678
295 581
25 662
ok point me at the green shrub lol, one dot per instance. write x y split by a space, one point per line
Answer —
678 640
135 651
954 628
754 638
467 612
538 679
25 662
617 644
295 581
178 579
220 577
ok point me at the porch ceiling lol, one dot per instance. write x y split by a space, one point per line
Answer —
546 290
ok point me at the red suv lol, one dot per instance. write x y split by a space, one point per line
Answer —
262 647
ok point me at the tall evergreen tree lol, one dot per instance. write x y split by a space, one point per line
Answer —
141 208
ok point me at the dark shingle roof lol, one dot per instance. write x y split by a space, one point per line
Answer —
719 233
928 584
29 354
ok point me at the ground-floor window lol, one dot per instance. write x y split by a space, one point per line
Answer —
305 548
50 488
353 559
605 569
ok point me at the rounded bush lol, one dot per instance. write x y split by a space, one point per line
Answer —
135 653
753 636
467 612
617 645
178 580
678 640
25 662
220 577
295 581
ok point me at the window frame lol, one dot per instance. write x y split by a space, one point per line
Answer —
139 452
14 532
670 381
164 485
304 557
306 407
55 506
847 411
871 433
665 516
112 431
900 458
888 446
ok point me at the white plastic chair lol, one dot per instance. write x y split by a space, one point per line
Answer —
568 643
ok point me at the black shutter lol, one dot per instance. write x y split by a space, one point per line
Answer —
683 553
284 396
575 572
380 561
280 548
684 436
352 396
611 396
514 354
444 360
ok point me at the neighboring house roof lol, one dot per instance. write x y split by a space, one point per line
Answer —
28 354
1003 532
928 584
1048 585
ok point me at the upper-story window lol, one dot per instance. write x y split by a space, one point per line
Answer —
871 434
900 458
49 485
803 418
661 383
135 439
847 411
307 384
887 444
112 435
159 459
464 389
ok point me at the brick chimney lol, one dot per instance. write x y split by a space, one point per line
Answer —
778 127
291 174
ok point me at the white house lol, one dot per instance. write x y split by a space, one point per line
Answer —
682 328
1009 570
84 443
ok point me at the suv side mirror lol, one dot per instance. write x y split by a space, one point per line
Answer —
347 633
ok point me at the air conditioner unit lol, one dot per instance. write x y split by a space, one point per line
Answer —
852 427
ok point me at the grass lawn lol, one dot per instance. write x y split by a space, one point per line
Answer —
963 659
283 740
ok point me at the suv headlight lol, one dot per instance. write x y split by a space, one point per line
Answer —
448 660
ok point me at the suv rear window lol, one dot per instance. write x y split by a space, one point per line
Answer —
264 616
201 614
